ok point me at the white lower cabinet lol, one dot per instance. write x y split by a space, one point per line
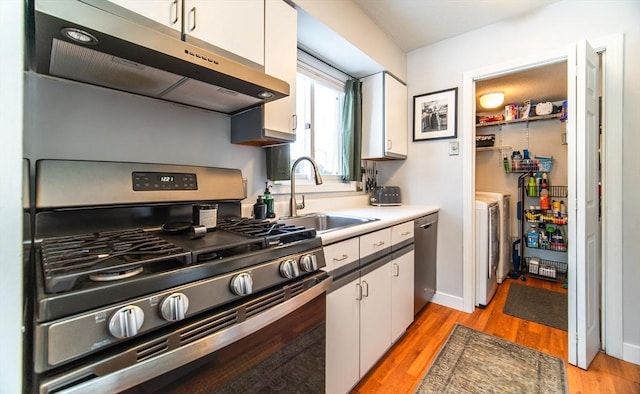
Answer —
369 308
343 338
375 315
402 271
358 328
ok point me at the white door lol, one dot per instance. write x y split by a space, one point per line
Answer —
395 103
167 12
235 26
281 61
375 316
584 254
402 294
343 334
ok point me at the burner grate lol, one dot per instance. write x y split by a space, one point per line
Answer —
273 233
66 259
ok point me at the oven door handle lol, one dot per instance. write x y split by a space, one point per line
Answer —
96 377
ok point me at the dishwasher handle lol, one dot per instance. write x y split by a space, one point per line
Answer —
427 225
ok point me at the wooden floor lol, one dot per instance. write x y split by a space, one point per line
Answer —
404 365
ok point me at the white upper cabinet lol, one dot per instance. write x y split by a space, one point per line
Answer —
384 117
236 26
281 53
167 12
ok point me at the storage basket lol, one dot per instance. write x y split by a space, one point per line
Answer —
544 163
485 140
546 269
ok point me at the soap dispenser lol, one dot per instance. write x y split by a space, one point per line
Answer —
269 201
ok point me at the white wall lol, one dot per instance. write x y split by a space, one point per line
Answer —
351 23
67 120
430 176
11 33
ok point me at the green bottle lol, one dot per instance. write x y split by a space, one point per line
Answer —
533 188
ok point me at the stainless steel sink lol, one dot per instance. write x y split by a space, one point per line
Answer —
323 222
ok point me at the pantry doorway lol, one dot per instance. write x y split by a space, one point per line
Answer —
609 303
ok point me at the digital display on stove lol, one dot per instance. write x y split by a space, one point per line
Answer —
146 181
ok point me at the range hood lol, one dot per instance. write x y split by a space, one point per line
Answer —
117 49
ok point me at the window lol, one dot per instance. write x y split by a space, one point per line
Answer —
319 108
319 96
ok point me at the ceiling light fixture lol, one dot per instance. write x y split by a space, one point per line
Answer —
492 100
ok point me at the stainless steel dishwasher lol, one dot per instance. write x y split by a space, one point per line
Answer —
425 244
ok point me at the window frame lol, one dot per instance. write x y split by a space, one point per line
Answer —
319 72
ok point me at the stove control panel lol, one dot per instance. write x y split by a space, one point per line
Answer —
117 323
145 181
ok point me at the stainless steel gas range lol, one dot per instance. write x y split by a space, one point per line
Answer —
131 295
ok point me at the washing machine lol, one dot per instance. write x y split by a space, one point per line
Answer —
487 249
504 199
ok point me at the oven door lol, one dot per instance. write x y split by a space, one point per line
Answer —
278 344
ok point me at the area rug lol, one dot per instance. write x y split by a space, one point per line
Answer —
474 362
537 305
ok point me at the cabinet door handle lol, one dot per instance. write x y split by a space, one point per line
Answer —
379 243
397 270
366 288
193 15
359 294
174 8
389 144
406 233
294 119
341 258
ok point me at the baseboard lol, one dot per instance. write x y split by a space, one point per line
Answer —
631 353
448 300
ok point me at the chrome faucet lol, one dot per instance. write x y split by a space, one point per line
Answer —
293 205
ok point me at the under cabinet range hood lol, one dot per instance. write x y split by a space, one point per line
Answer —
99 43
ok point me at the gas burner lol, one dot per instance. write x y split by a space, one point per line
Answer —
273 233
108 276
103 255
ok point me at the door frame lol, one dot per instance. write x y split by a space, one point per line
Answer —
612 112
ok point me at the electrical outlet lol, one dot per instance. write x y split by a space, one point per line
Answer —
454 148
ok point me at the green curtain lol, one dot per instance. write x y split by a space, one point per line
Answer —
352 131
279 162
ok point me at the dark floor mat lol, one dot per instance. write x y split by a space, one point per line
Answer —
537 305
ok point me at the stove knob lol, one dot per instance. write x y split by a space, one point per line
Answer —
242 284
289 269
174 307
126 322
308 263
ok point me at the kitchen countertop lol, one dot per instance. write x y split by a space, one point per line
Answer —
388 216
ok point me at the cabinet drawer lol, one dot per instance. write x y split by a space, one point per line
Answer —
375 242
341 253
401 233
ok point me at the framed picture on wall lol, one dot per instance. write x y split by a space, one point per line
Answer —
435 115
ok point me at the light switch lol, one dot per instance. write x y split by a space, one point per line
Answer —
454 148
